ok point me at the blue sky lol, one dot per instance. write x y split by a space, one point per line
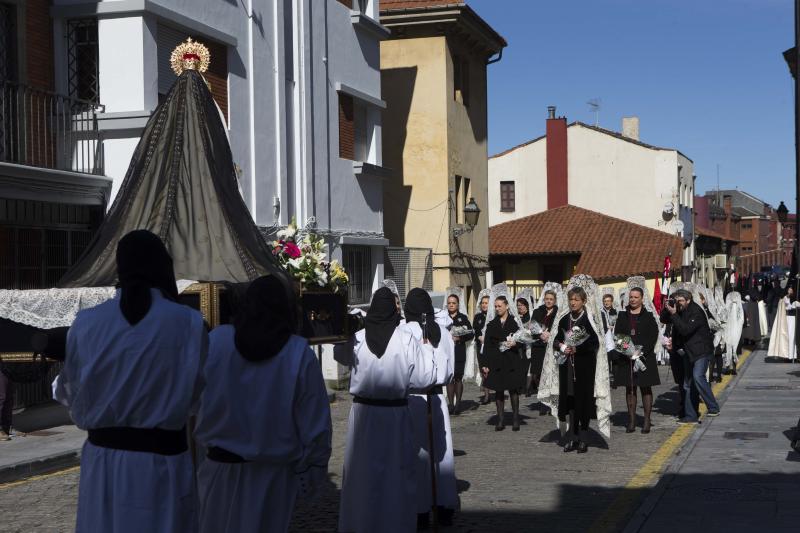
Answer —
704 76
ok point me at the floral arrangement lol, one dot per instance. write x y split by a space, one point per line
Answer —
461 331
624 345
521 336
305 260
535 328
573 337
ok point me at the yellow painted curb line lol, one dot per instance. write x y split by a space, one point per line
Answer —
11 484
652 469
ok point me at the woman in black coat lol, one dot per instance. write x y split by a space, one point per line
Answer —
642 327
545 315
576 375
503 370
478 323
456 389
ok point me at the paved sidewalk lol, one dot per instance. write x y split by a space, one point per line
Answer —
737 472
44 440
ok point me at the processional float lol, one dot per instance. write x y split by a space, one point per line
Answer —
181 185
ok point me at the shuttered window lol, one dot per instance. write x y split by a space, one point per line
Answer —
507 196
216 76
346 127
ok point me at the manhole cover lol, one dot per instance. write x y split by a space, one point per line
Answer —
769 387
43 433
745 435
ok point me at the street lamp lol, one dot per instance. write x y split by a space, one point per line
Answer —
471 213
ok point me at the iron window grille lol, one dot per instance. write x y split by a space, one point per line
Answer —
357 262
82 59
409 268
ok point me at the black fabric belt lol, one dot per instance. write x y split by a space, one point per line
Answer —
399 402
150 440
221 455
436 390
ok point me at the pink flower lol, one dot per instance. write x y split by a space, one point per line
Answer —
292 250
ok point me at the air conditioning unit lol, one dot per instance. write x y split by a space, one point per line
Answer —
721 261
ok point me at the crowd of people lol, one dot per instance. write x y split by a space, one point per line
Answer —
223 431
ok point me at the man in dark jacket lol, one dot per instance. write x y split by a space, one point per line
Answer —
693 341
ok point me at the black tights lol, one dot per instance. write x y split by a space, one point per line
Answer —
647 403
455 391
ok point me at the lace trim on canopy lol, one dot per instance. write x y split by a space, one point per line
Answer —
548 387
56 308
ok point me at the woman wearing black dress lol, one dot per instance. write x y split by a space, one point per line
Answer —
576 375
478 323
642 327
524 314
456 389
545 315
503 370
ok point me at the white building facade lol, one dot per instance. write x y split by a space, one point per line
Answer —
298 83
604 171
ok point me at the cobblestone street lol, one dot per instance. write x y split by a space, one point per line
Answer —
507 481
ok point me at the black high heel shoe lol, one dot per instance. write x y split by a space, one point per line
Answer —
582 447
631 428
571 446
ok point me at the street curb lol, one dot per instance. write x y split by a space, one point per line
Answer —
39 466
642 513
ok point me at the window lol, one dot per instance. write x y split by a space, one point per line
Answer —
507 196
353 129
461 194
357 262
747 225
461 80
9 48
82 60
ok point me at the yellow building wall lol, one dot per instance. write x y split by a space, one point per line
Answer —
428 139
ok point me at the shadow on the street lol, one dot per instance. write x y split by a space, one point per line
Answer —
42 416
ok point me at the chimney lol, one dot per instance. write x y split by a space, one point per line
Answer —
630 127
557 182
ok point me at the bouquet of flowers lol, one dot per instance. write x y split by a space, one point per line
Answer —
521 336
624 345
573 338
305 260
461 331
535 328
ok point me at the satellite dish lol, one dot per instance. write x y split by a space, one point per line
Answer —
668 212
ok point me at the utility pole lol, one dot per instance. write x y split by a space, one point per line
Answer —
797 149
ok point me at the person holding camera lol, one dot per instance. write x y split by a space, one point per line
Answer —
693 341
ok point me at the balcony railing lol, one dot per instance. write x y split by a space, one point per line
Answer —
47 130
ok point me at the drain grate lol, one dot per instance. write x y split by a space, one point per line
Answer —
745 435
769 387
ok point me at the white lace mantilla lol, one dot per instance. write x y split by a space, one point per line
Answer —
56 308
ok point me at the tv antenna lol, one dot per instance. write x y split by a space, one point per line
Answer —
595 104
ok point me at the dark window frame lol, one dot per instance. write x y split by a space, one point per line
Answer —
357 262
508 201
83 59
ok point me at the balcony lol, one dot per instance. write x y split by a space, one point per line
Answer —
49 131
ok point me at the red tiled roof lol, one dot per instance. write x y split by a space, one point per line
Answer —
711 233
609 248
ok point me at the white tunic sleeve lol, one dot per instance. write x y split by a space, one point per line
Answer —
446 360
421 365
312 415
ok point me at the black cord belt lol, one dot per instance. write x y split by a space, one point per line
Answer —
149 440
399 402
221 455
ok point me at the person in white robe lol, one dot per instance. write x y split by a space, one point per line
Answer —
437 340
733 330
379 481
781 341
132 374
264 418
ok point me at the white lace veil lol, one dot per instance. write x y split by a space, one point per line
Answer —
733 326
458 292
392 286
639 282
550 286
719 301
484 292
527 295
548 387
500 289
470 368
606 291
622 301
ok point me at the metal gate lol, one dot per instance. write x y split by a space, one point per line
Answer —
409 268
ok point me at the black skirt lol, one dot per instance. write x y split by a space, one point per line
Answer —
624 376
537 358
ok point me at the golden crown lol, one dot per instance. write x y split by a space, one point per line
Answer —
190 55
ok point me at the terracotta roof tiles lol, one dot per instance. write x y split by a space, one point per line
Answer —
609 248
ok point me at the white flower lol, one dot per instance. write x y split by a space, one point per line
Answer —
575 329
296 263
288 233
